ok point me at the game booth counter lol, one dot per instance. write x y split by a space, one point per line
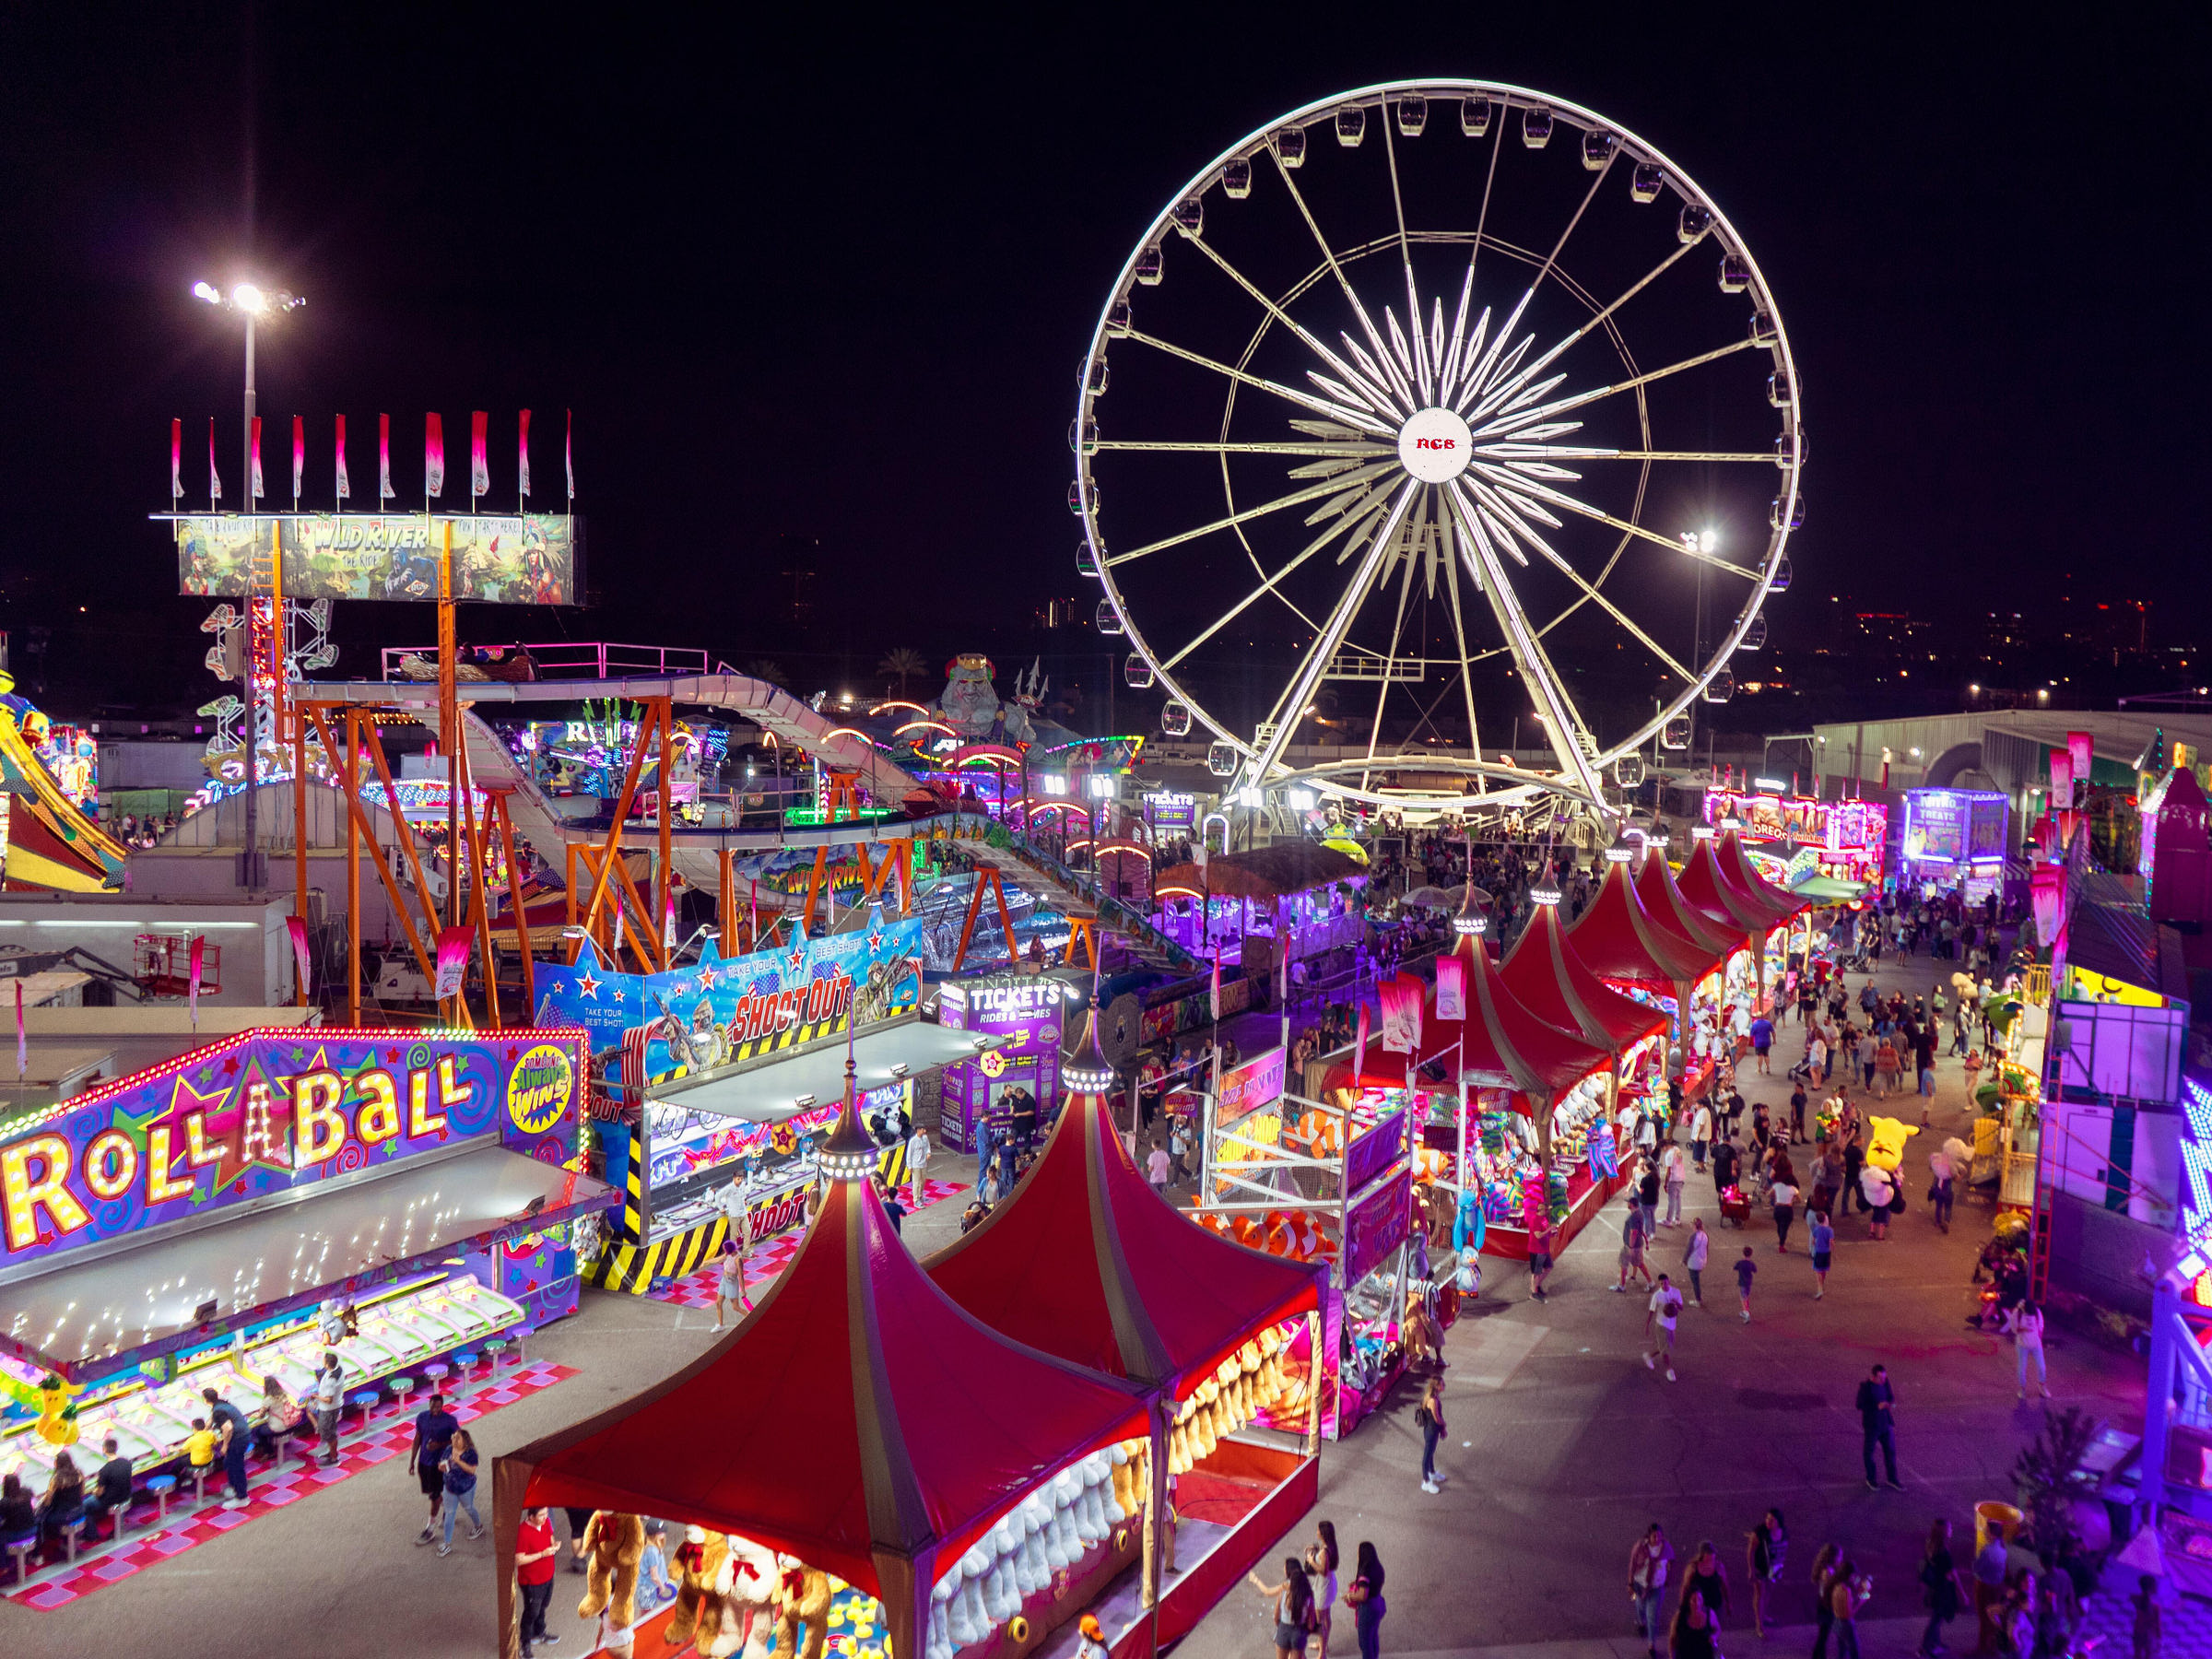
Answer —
1086 1262
726 1073
403 1200
861 1456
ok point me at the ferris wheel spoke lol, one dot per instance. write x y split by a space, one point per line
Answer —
1359 419
1453 368
1628 527
1367 324
1398 628
1214 446
1544 411
1306 336
1568 734
1299 692
1353 517
1466 671
1314 492
1422 370
1554 451
1507 388
1554 556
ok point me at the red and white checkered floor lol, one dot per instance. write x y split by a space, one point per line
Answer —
389 1433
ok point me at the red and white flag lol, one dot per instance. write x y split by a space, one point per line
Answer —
345 485
297 929
567 451
254 448
22 1037
383 459
433 455
521 452
192 985
452 962
1359 1049
176 460
299 456
479 464
1214 992
214 478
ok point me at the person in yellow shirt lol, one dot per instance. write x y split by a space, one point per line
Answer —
200 1444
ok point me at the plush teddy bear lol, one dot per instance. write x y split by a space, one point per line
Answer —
613 1545
700 1560
803 1600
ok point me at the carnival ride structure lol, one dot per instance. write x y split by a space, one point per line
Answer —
1489 417
52 844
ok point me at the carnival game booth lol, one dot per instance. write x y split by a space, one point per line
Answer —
1624 944
1086 1262
729 1070
397 1199
1706 887
1735 982
1732 860
925 1483
1533 1134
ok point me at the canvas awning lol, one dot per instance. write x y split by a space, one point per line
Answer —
1702 885
1087 1262
1736 868
1545 972
1502 1044
1617 942
858 1419
1675 915
768 1091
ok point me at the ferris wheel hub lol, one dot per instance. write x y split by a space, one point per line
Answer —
1435 446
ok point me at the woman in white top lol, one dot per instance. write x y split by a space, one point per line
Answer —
2027 1337
729 1287
1320 1562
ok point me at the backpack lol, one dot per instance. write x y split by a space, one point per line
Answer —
1422 1417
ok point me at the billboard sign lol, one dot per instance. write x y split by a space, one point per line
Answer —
519 559
736 1008
1375 1151
1257 1083
268 1113
1376 1225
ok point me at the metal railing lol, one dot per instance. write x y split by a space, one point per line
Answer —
582 659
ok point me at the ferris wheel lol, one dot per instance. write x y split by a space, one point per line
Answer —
1429 409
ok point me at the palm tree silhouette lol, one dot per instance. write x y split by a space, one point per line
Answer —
902 663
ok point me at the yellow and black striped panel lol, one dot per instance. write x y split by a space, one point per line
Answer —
634 1268
633 1194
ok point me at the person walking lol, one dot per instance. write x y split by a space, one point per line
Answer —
1764 1556
1991 1562
1877 1425
459 1468
1823 1241
1785 1211
1632 1238
1762 1044
2027 1338
1746 1271
1849 1594
1700 1133
231 1436
1695 1252
729 1284
1647 1198
1707 1579
1694 1627
537 1559
1674 1175
1939 1586
1321 1564
1159 1169
1726 1163
918 1151
1429 1417
1824 1581
1648 1562
1364 1597
434 1429
1664 1308
330 1401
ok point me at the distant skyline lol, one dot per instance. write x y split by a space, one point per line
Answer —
835 286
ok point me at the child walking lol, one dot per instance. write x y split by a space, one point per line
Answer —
1746 1271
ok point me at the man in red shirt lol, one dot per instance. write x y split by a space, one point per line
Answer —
536 1558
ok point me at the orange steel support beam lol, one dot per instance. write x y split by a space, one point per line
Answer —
514 898
664 877
986 872
479 887
298 825
357 814
604 865
1086 929
400 828
725 900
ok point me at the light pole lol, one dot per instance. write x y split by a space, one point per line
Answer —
253 302
1698 544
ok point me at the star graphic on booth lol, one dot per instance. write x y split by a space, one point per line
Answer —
707 976
587 986
797 957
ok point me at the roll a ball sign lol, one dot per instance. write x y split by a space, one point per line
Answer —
267 1112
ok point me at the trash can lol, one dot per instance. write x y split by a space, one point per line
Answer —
2000 1518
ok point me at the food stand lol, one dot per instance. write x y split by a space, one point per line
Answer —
1955 836
1027 1013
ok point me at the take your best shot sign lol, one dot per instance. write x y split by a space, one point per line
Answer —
269 1112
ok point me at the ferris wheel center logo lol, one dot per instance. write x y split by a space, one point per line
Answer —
1435 446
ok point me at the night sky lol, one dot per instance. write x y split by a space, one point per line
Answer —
832 290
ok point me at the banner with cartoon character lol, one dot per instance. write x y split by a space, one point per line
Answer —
521 559
267 1112
720 1011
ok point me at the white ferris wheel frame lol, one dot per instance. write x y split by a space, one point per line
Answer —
1578 775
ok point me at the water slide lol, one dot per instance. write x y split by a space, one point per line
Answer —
51 845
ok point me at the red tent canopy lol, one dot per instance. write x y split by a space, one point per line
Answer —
1087 1262
1544 972
1667 909
1738 869
1702 884
858 1419
1502 1043
1617 941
